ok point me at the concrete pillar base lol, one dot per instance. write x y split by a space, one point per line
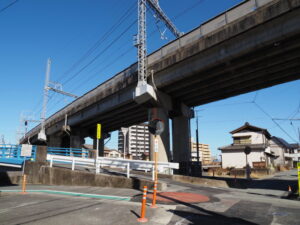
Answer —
164 154
76 141
54 141
181 143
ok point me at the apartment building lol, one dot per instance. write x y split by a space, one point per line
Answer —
204 153
137 141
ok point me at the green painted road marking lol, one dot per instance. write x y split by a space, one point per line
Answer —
110 197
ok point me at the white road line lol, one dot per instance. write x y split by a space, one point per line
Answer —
18 206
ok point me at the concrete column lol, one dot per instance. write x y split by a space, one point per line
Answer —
164 154
41 154
181 142
101 146
54 141
76 141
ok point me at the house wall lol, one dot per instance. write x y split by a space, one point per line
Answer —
237 158
257 137
278 151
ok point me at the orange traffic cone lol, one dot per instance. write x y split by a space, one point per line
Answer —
289 189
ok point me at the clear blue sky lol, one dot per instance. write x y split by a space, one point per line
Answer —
33 30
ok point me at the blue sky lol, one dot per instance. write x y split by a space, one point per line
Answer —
33 30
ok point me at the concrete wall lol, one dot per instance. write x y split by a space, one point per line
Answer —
237 158
39 173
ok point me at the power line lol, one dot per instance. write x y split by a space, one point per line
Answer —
98 55
8 6
101 53
100 41
274 121
150 35
96 45
124 53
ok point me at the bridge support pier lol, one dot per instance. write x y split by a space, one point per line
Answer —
181 139
101 146
164 154
54 141
76 141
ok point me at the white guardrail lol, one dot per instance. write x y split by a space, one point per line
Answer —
162 167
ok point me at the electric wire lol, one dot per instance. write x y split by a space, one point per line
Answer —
96 45
100 41
98 55
8 6
125 53
101 53
274 121
154 31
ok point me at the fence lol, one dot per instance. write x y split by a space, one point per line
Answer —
163 167
12 155
73 152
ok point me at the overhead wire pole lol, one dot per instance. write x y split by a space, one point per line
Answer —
42 135
162 16
145 92
62 92
141 42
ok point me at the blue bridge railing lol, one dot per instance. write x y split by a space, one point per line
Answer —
11 154
74 152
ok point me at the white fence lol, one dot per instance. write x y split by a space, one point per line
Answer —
162 167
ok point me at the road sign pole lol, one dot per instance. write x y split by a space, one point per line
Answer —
155 172
98 136
97 148
155 156
298 168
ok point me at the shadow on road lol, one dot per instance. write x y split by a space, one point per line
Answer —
198 215
5 180
271 184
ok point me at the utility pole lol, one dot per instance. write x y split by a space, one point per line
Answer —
197 139
42 134
56 87
144 91
124 132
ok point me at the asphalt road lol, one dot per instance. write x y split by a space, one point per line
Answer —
226 206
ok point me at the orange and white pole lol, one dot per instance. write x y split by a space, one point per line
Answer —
24 184
155 175
154 195
142 219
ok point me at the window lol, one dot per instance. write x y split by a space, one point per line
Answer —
242 140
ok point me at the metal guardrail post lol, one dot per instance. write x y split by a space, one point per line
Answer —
51 162
73 164
128 170
97 167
